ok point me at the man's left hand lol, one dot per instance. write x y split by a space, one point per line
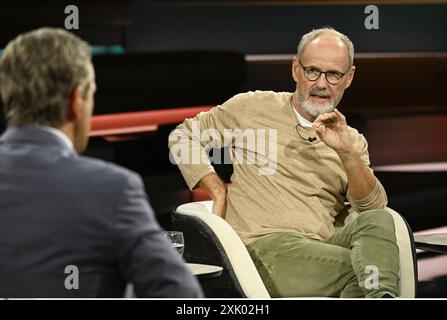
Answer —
333 131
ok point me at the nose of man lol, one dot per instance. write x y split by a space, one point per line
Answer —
321 82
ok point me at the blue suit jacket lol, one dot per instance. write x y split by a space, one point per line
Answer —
59 209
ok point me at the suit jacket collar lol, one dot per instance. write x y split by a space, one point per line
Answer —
35 136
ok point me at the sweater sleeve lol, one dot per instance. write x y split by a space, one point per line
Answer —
377 198
190 141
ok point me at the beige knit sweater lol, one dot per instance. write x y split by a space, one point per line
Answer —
281 183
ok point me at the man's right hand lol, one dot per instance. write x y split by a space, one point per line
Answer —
217 190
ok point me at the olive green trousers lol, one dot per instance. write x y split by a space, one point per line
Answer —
360 260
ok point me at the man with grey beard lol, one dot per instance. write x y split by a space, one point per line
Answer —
286 218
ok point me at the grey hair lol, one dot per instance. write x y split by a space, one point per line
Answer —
308 37
38 72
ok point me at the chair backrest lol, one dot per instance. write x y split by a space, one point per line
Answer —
210 239
407 256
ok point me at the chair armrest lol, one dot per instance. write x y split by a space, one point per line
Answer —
237 253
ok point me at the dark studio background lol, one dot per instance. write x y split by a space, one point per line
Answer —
170 54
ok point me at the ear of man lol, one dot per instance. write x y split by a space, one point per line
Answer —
294 69
76 104
351 77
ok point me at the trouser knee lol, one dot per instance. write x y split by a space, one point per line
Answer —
379 220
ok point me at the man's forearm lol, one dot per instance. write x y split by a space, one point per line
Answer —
360 180
213 185
217 190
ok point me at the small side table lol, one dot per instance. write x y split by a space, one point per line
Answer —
433 242
204 271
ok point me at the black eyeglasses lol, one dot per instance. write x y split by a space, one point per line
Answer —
313 74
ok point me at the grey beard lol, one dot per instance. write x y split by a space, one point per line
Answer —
315 109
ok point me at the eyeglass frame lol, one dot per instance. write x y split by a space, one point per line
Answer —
325 73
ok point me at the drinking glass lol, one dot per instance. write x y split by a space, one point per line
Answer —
176 240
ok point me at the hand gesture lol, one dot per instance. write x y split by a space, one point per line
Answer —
333 131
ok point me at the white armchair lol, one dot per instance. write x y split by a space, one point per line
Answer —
211 240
